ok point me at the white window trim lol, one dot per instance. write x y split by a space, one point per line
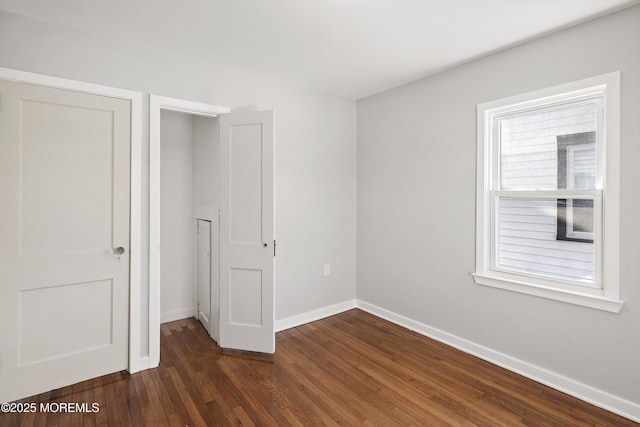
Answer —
607 257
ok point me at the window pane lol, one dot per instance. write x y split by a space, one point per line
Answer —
550 238
549 149
581 166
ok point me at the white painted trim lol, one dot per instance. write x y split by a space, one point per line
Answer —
170 316
156 104
188 107
137 362
554 380
312 316
599 302
73 85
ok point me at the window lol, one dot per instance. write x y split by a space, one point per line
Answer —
548 193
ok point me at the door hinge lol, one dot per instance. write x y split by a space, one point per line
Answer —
274 247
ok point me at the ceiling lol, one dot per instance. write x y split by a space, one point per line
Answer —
350 48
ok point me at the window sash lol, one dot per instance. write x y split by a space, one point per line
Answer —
596 95
495 193
548 280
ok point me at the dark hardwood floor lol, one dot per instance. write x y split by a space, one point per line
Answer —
350 369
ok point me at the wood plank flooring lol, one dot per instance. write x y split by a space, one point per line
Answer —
349 369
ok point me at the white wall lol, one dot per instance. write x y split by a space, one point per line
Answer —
315 169
177 233
416 208
206 165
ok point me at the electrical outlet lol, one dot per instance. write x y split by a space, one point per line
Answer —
327 269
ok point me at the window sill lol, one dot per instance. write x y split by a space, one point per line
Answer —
593 301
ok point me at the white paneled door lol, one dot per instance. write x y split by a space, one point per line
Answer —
246 231
64 237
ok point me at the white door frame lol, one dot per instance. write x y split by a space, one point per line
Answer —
137 361
156 104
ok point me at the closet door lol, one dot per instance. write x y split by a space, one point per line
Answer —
246 231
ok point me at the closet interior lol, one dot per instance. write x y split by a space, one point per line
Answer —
189 219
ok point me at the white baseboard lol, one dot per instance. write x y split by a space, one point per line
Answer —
170 316
556 381
312 316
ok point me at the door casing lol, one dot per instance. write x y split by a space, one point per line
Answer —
156 105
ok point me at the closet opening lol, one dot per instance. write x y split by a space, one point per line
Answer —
211 216
189 219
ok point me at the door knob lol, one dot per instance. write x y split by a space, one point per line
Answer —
264 244
119 250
